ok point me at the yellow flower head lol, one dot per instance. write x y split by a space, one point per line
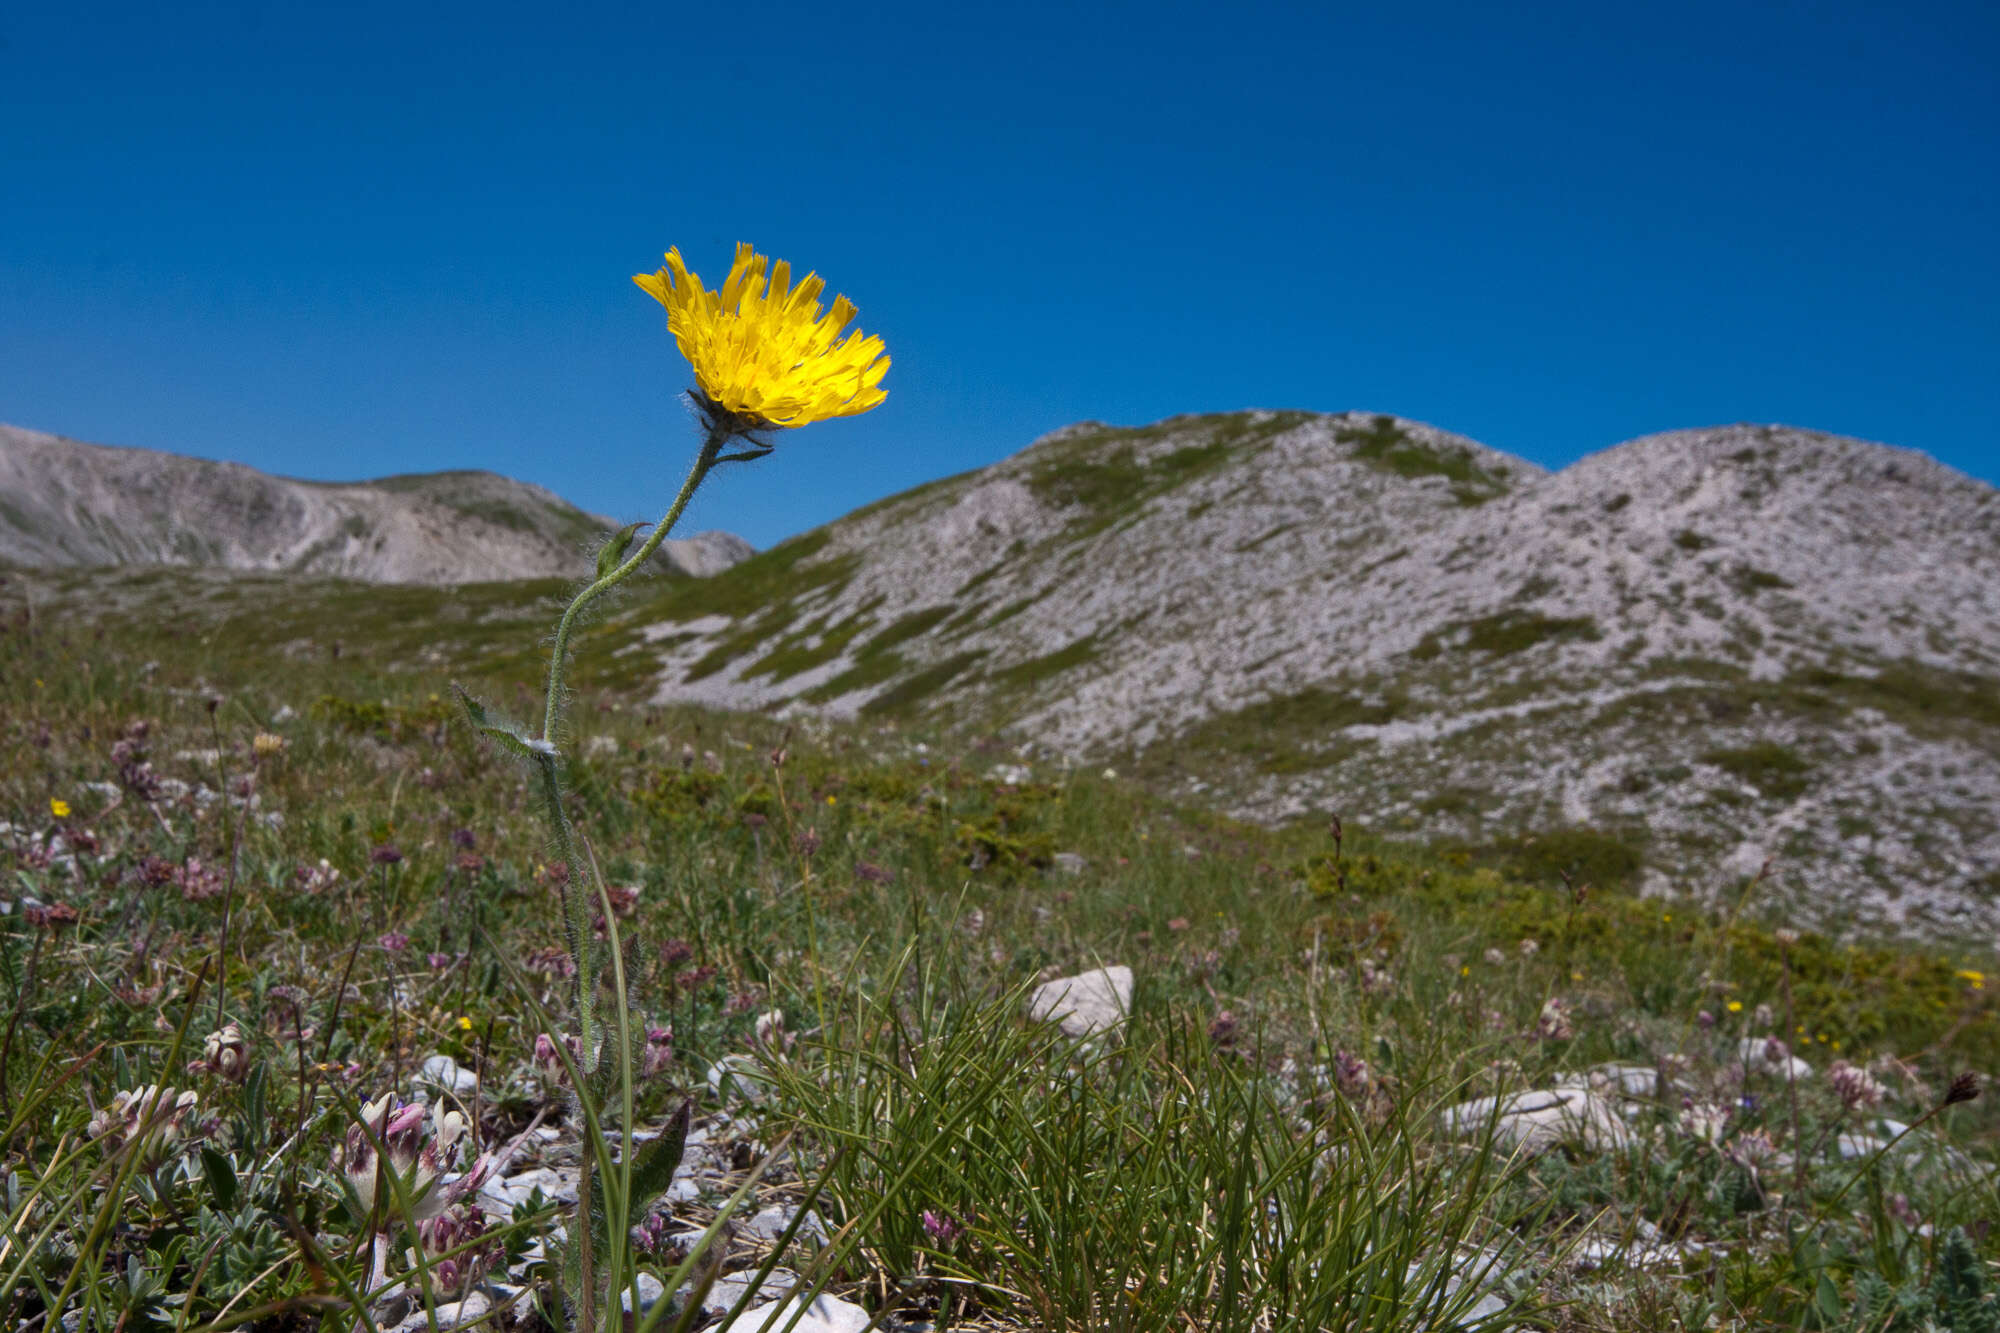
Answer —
58 807
760 347
1978 979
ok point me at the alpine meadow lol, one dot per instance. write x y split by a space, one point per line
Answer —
1256 871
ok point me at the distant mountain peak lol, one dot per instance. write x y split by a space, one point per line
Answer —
68 503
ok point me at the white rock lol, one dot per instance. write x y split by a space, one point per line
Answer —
1085 1004
827 1314
729 1291
1626 1080
650 1291
454 1313
1482 1270
1596 1253
1852 1145
444 1071
1755 1053
1537 1121
738 1078
770 1223
556 1187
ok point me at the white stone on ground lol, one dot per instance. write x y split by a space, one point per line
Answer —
1537 1121
727 1291
650 1291
1086 1004
828 1314
1755 1052
444 1072
770 1223
737 1078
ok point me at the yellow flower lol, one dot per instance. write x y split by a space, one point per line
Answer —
1978 979
1736 1006
464 1023
58 807
769 355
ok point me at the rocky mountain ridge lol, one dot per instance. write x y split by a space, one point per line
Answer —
64 503
1699 653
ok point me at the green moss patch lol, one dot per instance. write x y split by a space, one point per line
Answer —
1386 446
1288 734
783 573
765 591
1101 472
905 628
815 647
1506 633
1773 769
1597 858
913 691
1035 670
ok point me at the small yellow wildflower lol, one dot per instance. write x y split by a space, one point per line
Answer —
1666 916
1576 976
1978 979
769 355
1465 970
833 800
464 1023
1736 1006
58 807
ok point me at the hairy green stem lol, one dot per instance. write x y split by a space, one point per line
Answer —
576 911
704 462
576 903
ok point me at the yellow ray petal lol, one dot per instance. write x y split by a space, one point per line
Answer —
760 346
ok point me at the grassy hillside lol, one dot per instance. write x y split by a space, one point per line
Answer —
1282 614
365 886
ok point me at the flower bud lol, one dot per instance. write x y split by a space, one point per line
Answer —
224 1052
1855 1086
658 1052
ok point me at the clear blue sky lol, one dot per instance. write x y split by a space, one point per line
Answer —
342 241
